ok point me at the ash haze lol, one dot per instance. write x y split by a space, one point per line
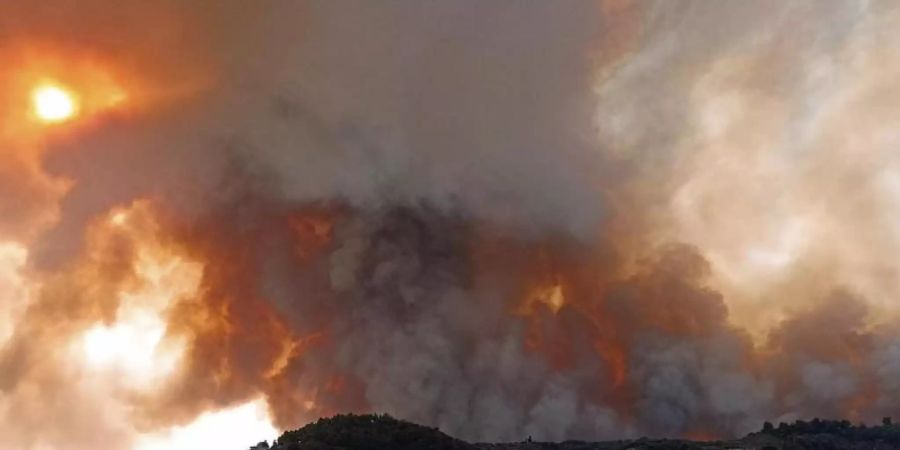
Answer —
569 220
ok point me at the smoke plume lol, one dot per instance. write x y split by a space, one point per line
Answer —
568 221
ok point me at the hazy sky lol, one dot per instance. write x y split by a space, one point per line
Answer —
569 220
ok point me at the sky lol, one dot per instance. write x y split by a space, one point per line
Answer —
582 220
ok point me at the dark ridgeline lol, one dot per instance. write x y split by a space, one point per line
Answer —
365 432
377 432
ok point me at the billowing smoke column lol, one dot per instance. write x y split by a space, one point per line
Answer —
580 220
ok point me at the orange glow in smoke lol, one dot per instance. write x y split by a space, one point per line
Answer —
615 356
133 341
54 86
313 230
551 295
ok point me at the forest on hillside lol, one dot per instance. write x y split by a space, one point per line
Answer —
377 432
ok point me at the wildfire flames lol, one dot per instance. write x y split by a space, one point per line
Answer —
585 221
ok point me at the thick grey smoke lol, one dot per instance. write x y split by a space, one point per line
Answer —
432 347
463 214
483 109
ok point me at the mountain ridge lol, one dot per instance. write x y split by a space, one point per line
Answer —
374 431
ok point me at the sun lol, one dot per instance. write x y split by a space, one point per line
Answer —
53 104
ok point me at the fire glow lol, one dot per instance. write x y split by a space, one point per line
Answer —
134 341
560 221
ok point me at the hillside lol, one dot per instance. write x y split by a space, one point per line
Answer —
365 432
375 432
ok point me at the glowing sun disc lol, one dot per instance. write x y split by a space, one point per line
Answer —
53 104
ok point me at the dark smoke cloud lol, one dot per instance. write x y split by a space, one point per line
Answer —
503 219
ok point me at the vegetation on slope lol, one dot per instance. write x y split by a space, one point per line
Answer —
376 432
366 432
